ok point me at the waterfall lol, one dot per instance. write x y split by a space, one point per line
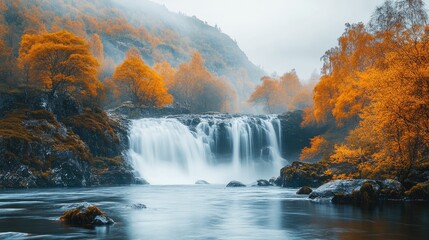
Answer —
215 148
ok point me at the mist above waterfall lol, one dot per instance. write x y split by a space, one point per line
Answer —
215 148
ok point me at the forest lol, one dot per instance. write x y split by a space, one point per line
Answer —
373 89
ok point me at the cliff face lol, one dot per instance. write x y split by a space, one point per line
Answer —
51 141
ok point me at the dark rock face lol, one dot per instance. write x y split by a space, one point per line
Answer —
356 191
201 182
300 174
304 191
40 152
294 136
51 141
133 112
419 192
86 215
235 184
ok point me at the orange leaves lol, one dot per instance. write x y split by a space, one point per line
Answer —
281 95
144 84
197 89
316 150
59 61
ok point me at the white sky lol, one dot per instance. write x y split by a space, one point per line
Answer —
280 35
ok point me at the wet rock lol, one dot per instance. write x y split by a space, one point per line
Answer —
391 189
340 191
263 183
419 192
300 174
201 182
304 190
86 215
235 184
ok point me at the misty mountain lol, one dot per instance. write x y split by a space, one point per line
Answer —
157 33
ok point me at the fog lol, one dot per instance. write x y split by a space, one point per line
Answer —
280 35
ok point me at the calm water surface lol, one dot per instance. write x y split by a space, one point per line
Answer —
206 212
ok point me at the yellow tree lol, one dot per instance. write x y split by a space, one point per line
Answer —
167 72
143 84
60 62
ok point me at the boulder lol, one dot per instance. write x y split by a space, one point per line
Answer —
263 183
341 191
300 174
419 192
201 182
85 215
304 190
235 184
391 189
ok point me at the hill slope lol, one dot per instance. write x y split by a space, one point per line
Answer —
160 35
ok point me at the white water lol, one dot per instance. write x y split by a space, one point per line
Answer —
217 149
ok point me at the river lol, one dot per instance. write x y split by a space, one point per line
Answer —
205 212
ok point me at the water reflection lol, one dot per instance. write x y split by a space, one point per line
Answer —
206 212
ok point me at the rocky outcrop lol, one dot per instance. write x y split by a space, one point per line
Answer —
38 151
86 215
235 184
294 136
52 141
300 174
134 112
304 191
355 191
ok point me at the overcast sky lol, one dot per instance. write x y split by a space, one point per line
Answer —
280 35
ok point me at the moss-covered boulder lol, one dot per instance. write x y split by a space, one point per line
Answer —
86 215
300 174
419 192
304 191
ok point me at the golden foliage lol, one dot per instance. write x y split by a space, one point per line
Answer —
199 91
379 76
283 94
59 61
144 84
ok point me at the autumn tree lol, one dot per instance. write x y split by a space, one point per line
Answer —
378 75
198 90
286 93
167 72
59 62
140 83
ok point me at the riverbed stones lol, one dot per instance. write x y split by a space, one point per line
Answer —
235 184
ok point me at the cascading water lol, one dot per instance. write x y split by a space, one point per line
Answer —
216 148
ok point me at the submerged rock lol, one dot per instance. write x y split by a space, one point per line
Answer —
202 182
85 215
137 206
235 184
304 190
